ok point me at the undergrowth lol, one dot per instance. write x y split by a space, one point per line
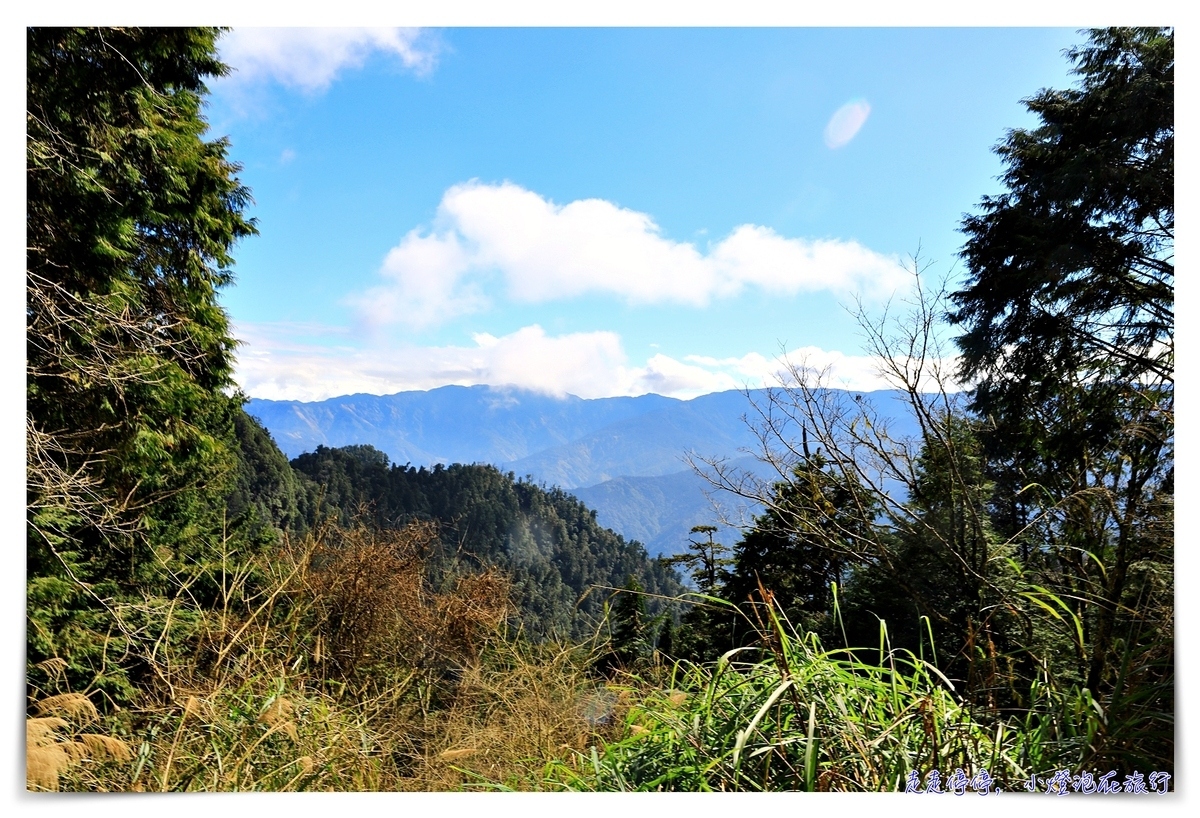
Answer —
346 662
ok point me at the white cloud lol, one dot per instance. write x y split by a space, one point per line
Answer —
841 371
664 375
544 251
586 364
310 59
752 366
846 122
865 373
424 288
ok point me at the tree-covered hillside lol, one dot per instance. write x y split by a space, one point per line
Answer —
562 564
560 560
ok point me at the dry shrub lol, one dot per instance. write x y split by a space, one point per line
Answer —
332 675
378 606
354 667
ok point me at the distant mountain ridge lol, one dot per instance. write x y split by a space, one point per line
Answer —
451 424
624 456
650 444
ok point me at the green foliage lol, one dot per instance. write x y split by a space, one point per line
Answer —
1069 333
1018 597
1072 267
629 640
267 497
802 545
955 572
702 628
795 716
131 216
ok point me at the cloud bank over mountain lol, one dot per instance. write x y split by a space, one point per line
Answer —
276 364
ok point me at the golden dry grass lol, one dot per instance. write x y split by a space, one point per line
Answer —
278 717
52 749
513 714
68 705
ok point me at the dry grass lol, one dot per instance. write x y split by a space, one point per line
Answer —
47 753
68 705
280 717
53 748
512 715
349 666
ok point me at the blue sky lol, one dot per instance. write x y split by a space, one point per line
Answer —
600 211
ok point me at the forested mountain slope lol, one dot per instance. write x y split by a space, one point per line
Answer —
559 559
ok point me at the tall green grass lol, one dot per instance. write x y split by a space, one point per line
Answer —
793 715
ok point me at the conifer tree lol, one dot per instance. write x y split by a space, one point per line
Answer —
803 544
131 217
627 625
1068 318
704 628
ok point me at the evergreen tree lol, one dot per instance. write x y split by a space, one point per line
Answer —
1068 318
703 627
1073 266
809 535
131 216
666 638
628 643
953 569
705 560
267 496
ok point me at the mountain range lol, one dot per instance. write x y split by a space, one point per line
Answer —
625 457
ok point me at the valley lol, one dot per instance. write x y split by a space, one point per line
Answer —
626 458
